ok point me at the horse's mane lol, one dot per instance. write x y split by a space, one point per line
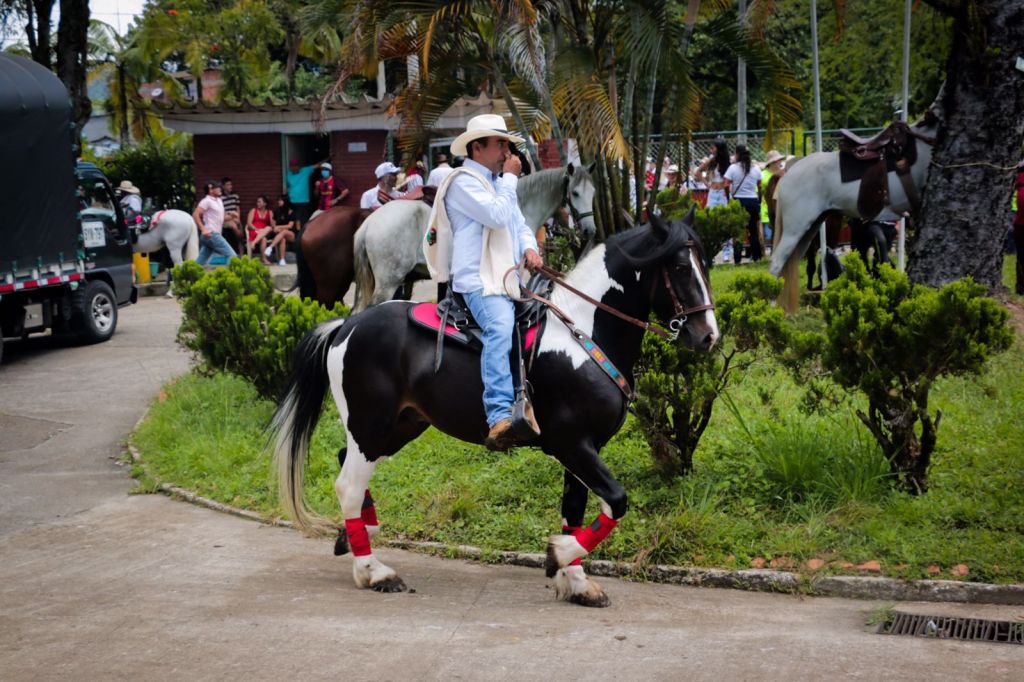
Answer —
642 245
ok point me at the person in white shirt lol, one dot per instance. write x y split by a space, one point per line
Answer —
131 198
383 191
488 235
745 182
440 171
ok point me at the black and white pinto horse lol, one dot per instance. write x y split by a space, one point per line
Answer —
380 369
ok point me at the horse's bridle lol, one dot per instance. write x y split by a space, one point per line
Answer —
680 312
577 217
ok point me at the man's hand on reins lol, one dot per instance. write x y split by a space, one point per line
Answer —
532 259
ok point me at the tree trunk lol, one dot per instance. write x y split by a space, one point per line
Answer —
965 212
72 56
513 109
291 41
38 30
122 106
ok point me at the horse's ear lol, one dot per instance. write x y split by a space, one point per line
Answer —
570 169
591 167
688 219
660 228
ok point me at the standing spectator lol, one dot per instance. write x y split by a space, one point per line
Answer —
384 190
1018 229
712 172
330 190
209 218
232 214
440 171
770 174
131 199
415 177
298 180
671 177
284 229
258 224
745 185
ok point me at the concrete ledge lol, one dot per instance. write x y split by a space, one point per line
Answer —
754 580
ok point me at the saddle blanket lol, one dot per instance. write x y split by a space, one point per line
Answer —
425 315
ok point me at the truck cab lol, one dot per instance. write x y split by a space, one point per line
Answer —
65 249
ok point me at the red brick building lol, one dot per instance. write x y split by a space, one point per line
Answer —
253 143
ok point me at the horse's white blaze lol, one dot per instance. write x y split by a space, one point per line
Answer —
591 277
705 299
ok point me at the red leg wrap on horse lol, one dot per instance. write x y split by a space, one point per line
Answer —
592 536
358 538
572 530
369 512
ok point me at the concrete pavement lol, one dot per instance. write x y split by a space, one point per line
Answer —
99 584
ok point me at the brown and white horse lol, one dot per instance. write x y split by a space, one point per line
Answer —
380 369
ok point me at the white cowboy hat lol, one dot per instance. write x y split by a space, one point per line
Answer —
127 186
485 125
674 169
327 166
772 157
386 168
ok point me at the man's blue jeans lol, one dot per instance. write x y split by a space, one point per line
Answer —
496 317
214 244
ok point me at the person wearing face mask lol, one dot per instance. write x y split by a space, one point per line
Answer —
330 191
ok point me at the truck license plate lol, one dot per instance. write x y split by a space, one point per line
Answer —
93 235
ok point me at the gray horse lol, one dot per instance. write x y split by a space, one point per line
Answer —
388 244
174 229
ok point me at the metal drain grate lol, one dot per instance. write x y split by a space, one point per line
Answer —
945 627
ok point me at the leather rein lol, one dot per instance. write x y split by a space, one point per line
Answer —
681 312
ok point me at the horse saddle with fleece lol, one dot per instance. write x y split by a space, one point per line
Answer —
871 160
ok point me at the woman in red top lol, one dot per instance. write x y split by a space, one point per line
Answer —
259 224
1018 229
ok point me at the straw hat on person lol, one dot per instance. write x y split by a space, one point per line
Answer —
127 187
479 127
773 157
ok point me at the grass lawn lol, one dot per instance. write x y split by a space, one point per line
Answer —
769 482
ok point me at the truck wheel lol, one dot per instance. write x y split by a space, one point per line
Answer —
94 312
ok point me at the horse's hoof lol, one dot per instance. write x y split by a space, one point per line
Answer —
341 544
598 601
551 562
389 584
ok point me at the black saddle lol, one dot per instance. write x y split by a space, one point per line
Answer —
871 160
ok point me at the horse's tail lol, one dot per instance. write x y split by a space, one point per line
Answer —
304 276
364 273
292 425
191 250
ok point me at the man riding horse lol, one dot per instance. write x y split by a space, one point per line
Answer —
479 234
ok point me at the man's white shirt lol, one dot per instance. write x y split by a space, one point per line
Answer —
470 207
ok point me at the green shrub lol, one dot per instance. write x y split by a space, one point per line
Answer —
235 321
161 169
677 387
891 342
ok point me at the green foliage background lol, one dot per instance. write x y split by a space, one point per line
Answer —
236 322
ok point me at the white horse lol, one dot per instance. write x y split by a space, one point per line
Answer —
388 244
813 188
174 229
